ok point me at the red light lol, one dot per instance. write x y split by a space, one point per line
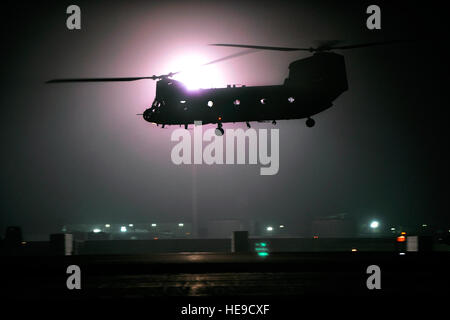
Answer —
401 239
155 238
316 237
220 118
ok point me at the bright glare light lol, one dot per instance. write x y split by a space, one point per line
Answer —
97 230
153 224
130 225
374 224
181 224
281 226
269 228
107 225
392 229
194 75
123 229
354 250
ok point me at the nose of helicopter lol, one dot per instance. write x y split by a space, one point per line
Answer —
148 115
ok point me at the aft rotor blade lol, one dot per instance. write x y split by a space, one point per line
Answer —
368 44
101 79
260 47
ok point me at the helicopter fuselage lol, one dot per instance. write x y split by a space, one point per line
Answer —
312 86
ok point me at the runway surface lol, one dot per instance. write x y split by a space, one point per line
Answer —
225 275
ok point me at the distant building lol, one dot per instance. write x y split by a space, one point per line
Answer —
129 231
224 228
338 226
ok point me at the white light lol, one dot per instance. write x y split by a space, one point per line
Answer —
374 224
291 99
210 103
392 229
181 224
107 225
183 101
130 225
269 228
281 226
123 229
194 75
237 102
97 230
153 224
402 253
424 225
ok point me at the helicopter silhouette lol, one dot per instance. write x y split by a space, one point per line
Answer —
312 85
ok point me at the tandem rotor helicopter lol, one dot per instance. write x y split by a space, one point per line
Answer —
313 84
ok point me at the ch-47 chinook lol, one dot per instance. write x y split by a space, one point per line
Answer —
313 84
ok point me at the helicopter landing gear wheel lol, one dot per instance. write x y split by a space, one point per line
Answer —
310 122
219 130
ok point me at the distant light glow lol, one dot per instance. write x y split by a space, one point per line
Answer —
263 254
401 239
193 74
210 103
107 225
123 229
269 228
237 102
402 253
281 226
291 99
392 229
153 224
130 225
354 250
424 225
97 230
181 224
374 224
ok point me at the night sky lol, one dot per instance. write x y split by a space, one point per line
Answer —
78 153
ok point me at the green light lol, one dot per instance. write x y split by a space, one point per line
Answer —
263 254
263 244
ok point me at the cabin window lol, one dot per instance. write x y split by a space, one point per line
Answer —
291 99
210 103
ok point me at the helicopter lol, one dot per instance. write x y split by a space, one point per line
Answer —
311 87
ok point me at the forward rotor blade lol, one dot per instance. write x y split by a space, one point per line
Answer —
231 56
101 79
261 47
